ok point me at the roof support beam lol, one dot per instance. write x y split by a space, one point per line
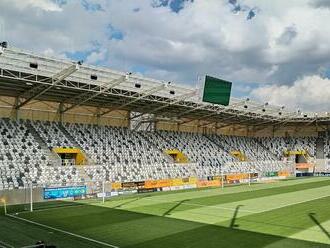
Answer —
278 122
253 108
142 95
224 110
170 102
35 92
207 124
85 97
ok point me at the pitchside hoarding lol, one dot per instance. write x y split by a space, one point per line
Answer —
64 192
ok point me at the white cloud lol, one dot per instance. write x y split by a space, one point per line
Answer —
41 26
46 5
96 56
287 40
310 92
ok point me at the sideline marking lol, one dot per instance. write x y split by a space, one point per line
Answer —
51 208
201 205
241 210
294 203
62 231
3 244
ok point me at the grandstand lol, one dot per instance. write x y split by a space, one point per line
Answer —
67 125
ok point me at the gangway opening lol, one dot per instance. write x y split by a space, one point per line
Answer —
71 155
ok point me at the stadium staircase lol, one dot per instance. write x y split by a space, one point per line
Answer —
239 155
320 147
145 136
266 149
219 146
53 157
215 143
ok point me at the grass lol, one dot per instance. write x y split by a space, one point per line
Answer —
292 213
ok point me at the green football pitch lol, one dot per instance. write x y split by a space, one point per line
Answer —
291 213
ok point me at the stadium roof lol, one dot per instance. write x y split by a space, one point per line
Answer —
29 76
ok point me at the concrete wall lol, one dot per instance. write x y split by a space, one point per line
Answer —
48 111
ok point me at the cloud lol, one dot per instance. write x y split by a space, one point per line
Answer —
287 36
320 3
46 5
310 92
177 40
46 25
96 56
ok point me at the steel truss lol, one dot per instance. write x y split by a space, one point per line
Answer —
69 83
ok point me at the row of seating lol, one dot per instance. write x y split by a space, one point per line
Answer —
197 147
279 145
250 147
113 145
120 154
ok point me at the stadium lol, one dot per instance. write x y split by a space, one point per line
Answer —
92 157
101 146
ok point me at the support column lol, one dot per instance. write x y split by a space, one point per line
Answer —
216 127
233 130
152 124
128 117
156 123
98 116
15 111
61 113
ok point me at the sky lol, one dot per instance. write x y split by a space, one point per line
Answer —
273 51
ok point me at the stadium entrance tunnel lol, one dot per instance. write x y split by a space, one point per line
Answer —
300 156
178 156
239 155
73 154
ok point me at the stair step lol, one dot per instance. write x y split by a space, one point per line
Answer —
54 158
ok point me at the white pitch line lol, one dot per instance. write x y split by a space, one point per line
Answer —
3 244
201 205
241 210
51 208
62 231
290 204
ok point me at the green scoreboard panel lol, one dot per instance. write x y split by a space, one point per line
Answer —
216 91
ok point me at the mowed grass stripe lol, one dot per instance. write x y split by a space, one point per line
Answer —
224 212
20 234
129 229
320 232
289 220
272 202
259 193
167 196
111 225
143 204
214 237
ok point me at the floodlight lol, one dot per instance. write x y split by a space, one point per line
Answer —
4 44
127 75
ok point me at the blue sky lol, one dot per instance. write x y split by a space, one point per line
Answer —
274 51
